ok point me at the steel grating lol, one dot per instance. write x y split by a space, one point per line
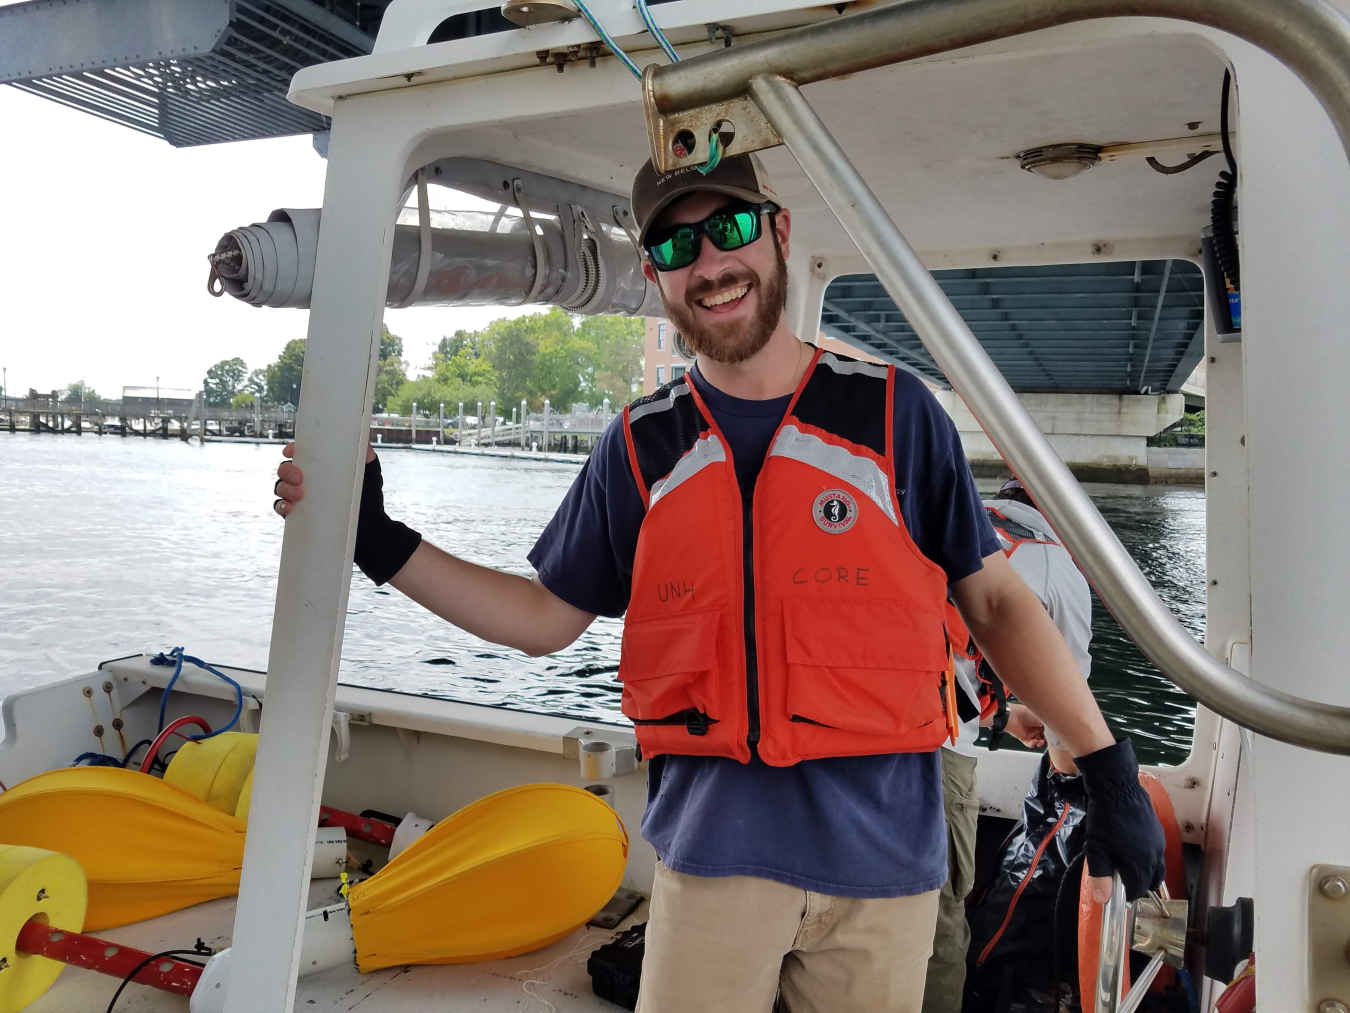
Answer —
1118 328
225 79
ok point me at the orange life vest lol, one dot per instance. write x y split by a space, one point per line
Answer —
802 620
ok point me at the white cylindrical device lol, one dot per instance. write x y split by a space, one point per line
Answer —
330 853
327 943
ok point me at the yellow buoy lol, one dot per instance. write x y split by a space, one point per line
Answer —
504 875
146 847
34 884
216 770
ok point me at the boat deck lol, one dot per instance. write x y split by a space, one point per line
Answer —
557 982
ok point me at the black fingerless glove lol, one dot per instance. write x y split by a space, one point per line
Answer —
383 545
1123 832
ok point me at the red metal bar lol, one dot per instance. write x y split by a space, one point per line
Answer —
375 831
79 950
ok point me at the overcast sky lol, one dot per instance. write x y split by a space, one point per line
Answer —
104 234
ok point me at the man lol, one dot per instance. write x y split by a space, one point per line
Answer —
1047 568
779 528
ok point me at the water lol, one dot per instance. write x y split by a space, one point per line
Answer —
120 546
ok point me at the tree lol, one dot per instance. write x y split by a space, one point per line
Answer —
80 391
430 392
283 376
513 348
257 382
391 374
244 399
224 380
615 345
388 381
391 345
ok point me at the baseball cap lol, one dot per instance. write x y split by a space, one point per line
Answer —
1012 483
740 176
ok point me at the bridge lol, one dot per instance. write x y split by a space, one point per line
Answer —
1099 353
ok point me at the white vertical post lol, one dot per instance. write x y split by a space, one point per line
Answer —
604 413
440 417
257 415
492 423
544 442
365 173
459 436
1293 320
524 425
414 425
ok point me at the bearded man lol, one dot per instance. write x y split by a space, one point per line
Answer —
815 513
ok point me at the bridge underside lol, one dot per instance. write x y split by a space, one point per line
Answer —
1110 328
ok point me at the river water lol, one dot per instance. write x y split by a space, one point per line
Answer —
117 546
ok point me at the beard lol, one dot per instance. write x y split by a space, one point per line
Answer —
732 341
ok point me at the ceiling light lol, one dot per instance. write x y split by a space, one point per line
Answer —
1059 161
539 12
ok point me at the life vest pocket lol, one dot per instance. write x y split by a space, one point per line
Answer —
868 667
669 669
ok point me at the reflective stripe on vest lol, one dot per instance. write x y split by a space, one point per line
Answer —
804 621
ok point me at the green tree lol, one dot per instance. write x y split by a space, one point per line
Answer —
388 381
244 399
80 391
283 376
391 345
257 382
514 349
430 392
391 375
615 350
224 380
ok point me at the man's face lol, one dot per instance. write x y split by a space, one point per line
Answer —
727 303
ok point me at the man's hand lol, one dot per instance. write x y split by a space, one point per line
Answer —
1025 726
289 488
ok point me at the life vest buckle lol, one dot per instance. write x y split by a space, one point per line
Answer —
695 722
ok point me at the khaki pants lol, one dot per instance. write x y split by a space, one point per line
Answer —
729 944
947 967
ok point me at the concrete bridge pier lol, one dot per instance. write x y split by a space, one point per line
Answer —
1101 437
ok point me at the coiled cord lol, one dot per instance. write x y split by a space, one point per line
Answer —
1221 207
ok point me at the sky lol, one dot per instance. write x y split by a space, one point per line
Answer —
104 234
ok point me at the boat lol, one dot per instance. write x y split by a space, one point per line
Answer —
990 133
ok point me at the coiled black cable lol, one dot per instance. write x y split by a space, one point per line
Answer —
1221 207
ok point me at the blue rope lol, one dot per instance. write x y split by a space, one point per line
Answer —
176 657
714 153
104 760
657 34
714 140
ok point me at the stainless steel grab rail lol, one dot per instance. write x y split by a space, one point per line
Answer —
761 78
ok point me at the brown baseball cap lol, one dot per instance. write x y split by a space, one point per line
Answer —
737 175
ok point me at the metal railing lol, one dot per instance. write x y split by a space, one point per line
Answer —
755 86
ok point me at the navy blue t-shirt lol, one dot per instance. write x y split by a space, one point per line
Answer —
855 826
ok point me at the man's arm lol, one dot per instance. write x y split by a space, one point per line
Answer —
503 608
1022 644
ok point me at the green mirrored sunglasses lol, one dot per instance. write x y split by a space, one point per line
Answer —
729 228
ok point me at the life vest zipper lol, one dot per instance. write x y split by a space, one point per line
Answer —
751 653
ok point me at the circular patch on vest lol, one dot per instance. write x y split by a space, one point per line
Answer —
835 511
